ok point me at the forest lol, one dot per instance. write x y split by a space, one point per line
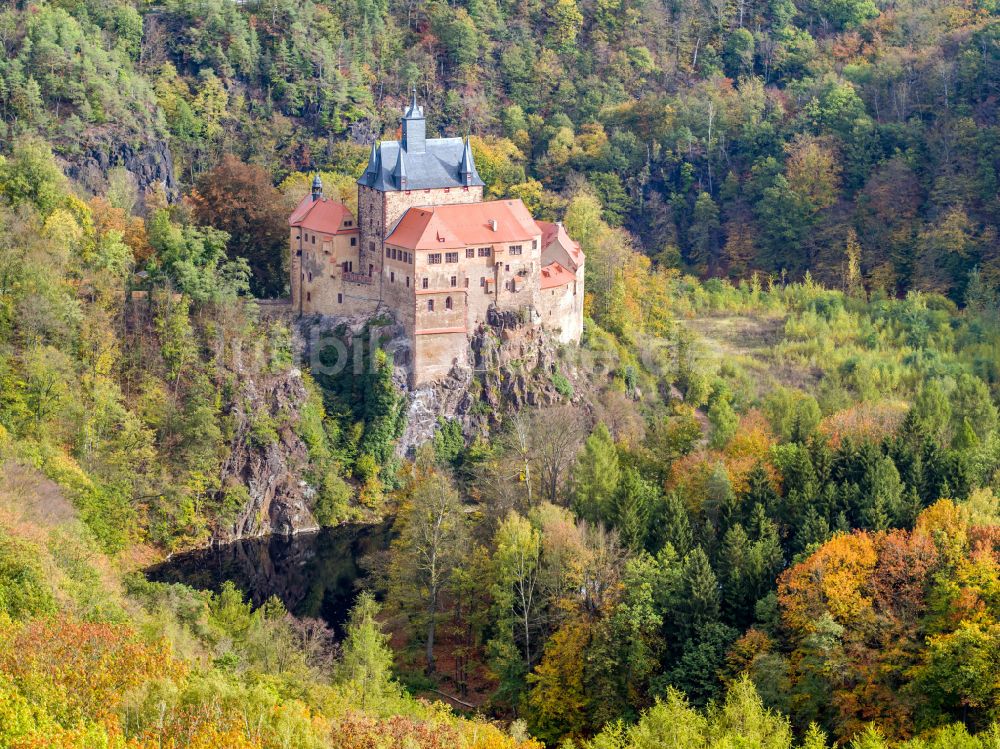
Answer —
765 510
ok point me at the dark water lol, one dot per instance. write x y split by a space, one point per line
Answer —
314 574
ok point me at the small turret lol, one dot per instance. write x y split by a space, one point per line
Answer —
373 160
467 169
400 172
414 127
317 187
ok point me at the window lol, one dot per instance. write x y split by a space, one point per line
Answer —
434 258
515 249
313 239
485 252
466 282
392 277
451 257
482 280
424 283
447 303
470 252
340 298
371 247
310 278
454 280
354 241
388 252
348 223
506 268
534 244
407 282
430 305
309 296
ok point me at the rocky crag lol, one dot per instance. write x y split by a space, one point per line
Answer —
268 459
512 365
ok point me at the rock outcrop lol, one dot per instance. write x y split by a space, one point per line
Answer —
148 160
268 458
514 365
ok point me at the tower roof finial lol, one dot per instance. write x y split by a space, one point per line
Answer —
414 111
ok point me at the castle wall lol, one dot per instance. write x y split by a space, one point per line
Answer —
379 212
435 354
561 310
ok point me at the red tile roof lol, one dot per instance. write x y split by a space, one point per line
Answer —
556 231
554 274
464 225
323 215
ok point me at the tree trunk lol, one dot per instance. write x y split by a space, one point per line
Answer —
430 634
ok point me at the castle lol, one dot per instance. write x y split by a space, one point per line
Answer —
427 246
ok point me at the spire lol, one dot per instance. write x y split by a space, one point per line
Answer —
317 187
373 159
414 127
400 172
414 111
467 169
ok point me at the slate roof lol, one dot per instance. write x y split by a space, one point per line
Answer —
423 165
440 165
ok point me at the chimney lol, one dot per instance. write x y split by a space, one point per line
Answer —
493 224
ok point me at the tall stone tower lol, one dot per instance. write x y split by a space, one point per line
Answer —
414 171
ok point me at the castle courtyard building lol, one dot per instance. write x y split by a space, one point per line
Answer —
426 246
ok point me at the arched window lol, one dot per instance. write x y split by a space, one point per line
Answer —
447 303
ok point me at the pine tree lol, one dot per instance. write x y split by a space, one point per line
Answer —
883 493
672 524
814 531
698 603
734 571
632 504
596 476
365 670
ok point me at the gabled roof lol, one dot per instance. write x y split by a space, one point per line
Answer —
448 227
556 234
323 215
439 165
554 274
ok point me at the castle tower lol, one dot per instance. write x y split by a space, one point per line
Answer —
413 171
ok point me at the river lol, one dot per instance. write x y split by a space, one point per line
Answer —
314 574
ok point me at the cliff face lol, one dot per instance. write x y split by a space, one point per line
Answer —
147 158
269 459
514 365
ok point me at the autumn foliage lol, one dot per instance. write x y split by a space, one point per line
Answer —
896 627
